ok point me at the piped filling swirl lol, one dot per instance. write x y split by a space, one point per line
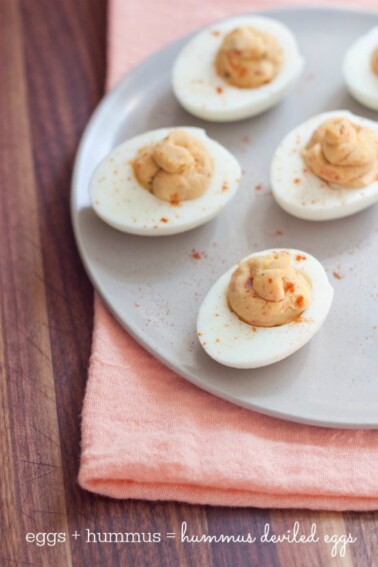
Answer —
265 291
176 169
374 61
343 153
248 58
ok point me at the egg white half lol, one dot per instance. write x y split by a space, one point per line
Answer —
197 85
231 342
303 194
124 204
361 82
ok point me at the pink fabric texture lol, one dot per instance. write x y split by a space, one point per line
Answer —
149 434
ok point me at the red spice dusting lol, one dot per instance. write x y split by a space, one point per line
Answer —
337 275
225 186
300 258
278 233
215 33
174 200
289 286
196 255
297 180
299 301
258 187
164 219
270 280
302 319
219 90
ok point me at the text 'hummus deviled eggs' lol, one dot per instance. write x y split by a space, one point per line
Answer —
264 309
164 182
236 68
327 167
360 68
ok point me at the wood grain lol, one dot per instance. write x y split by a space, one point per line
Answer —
52 72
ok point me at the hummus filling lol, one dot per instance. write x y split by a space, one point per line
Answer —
374 61
265 291
343 153
248 58
176 169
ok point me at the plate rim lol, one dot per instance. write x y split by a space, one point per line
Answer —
104 103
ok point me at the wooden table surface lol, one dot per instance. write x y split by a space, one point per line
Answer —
52 70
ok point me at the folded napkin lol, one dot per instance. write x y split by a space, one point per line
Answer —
149 434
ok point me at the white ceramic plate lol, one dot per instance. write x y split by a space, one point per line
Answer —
154 287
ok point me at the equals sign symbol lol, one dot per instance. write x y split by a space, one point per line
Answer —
171 535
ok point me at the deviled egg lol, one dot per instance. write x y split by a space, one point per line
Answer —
236 68
360 69
327 167
164 181
264 309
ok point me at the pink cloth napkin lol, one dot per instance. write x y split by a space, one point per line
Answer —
149 434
